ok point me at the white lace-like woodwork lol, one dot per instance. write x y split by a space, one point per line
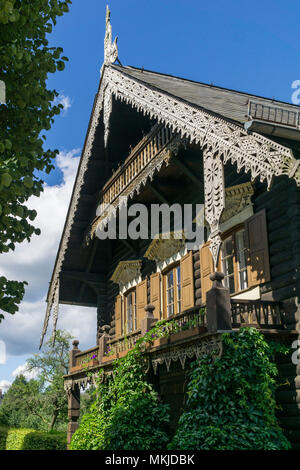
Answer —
222 141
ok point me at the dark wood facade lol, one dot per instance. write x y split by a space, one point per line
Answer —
133 154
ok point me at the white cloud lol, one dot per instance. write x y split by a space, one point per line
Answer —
65 101
4 385
23 370
34 262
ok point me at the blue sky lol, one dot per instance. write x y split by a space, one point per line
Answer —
248 46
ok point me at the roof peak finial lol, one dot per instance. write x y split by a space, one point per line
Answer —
110 48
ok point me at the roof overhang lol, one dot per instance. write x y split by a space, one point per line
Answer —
252 152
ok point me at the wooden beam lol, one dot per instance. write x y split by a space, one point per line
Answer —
84 276
89 198
158 194
187 171
88 268
102 164
130 246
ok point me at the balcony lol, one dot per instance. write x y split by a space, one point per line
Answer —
143 160
185 327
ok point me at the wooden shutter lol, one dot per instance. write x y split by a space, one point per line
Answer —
118 315
258 255
206 269
141 301
155 293
187 281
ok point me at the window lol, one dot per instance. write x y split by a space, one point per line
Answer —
234 261
130 305
172 283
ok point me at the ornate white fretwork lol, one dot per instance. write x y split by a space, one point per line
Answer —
252 152
237 198
211 344
162 248
110 48
107 108
135 186
214 190
126 271
82 382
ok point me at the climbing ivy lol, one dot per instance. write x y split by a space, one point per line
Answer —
231 402
127 413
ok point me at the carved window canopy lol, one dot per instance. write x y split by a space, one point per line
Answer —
162 248
238 205
127 273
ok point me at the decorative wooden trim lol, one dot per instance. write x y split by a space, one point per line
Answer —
223 139
126 272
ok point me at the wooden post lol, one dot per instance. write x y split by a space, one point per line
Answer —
73 397
73 411
72 354
103 342
218 305
149 320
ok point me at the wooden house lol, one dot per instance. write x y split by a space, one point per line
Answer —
157 139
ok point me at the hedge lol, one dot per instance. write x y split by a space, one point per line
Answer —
29 439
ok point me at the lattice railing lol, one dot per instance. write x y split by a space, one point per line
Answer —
124 343
186 320
138 159
257 312
87 356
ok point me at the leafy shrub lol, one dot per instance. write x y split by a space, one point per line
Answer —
29 439
231 402
37 440
127 414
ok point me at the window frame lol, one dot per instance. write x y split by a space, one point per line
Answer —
176 289
125 310
236 268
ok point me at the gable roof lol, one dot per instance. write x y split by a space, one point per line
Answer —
202 112
231 104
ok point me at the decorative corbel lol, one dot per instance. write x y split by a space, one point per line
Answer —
214 190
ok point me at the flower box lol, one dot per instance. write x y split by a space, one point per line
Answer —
159 342
75 368
185 334
109 358
93 362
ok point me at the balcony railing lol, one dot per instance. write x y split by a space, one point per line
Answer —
278 115
139 158
258 313
124 343
84 358
265 314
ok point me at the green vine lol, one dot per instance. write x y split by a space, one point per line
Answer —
230 402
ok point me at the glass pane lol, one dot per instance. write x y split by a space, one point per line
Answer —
170 296
243 279
240 240
228 247
170 279
178 274
231 284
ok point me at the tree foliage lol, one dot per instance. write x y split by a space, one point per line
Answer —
231 402
40 403
26 59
